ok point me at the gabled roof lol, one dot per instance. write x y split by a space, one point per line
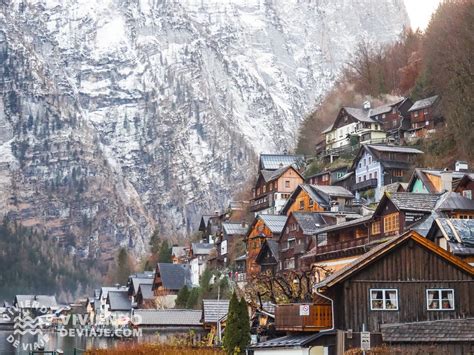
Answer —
214 310
174 276
274 222
322 194
343 225
271 175
271 245
291 341
379 251
424 103
234 228
409 201
359 114
136 282
385 108
309 222
453 201
202 248
377 149
35 301
178 251
119 301
168 317
147 291
104 291
277 161
459 231
434 331
466 179
422 175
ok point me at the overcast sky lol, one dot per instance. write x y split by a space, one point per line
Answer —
420 12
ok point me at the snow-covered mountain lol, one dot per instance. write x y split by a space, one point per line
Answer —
119 116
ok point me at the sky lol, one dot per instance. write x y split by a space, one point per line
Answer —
420 12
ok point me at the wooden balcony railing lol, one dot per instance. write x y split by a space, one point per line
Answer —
293 317
259 203
365 185
347 244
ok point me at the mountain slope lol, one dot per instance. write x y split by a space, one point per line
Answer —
121 114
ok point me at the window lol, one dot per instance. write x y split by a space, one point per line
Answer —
425 111
311 203
384 299
360 178
275 185
397 172
302 205
415 114
440 299
360 165
370 160
376 227
326 177
264 188
287 183
391 223
375 175
365 177
370 175
289 263
467 194
383 116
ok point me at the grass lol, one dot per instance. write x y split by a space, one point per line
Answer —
162 349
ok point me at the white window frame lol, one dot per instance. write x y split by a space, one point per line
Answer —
440 307
383 299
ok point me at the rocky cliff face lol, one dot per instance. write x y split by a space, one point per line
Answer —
121 115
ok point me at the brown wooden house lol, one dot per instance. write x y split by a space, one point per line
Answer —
264 227
466 186
318 198
272 189
268 257
297 237
406 282
327 177
394 117
425 116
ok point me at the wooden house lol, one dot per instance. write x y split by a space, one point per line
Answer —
228 242
268 257
377 165
465 186
297 237
398 212
169 279
406 282
318 198
394 118
353 126
119 307
339 244
272 189
433 181
134 282
453 205
145 298
263 227
327 177
425 117
455 236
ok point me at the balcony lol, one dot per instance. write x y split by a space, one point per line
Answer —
365 185
289 317
259 203
348 244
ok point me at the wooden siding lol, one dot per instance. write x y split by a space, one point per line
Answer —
300 244
302 200
288 318
411 269
254 243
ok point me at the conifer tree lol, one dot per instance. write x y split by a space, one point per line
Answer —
232 337
182 298
244 325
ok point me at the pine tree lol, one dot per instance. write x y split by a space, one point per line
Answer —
155 242
193 298
182 298
164 255
232 335
244 325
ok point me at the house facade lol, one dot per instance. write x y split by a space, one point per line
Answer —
273 188
378 165
425 117
327 177
394 117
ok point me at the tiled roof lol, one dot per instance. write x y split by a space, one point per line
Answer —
119 301
174 276
202 248
276 161
438 331
104 291
234 228
274 222
452 201
273 246
343 225
147 291
424 103
393 149
35 301
178 251
359 114
384 108
141 281
409 201
309 222
168 317
214 310
457 230
333 191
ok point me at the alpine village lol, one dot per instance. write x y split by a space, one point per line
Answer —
361 247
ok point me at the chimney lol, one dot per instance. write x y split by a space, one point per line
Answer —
446 180
117 285
340 218
461 166
366 105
